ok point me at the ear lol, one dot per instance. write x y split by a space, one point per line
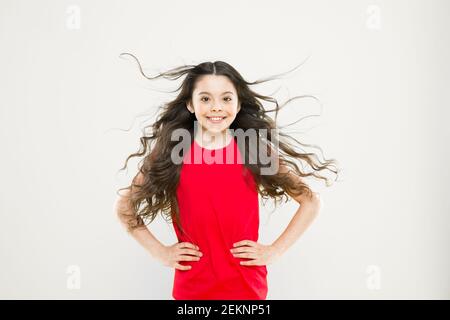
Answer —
189 107
239 107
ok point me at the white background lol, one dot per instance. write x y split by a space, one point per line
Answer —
380 69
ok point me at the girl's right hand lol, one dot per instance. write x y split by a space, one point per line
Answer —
180 251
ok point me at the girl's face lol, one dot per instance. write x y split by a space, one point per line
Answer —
215 103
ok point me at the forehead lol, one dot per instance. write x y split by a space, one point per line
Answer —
214 84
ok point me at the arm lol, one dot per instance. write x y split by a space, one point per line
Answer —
168 255
261 254
142 234
302 219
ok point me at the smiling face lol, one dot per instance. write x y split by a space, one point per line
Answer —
215 104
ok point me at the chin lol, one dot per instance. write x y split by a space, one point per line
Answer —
216 130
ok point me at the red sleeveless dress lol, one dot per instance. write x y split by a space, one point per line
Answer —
218 203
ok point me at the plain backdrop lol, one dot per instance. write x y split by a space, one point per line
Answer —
72 110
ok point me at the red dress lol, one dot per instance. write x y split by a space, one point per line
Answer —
219 206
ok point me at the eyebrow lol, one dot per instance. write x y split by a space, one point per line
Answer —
206 92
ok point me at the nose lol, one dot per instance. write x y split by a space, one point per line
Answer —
216 107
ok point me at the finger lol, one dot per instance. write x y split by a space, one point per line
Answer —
192 252
181 267
249 263
249 255
188 258
243 249
244 243
188 245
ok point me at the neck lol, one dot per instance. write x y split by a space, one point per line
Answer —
208 139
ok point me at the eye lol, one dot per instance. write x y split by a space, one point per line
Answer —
228 98
204 98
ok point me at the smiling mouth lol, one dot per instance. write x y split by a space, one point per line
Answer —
215 119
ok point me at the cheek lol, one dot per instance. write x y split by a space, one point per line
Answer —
232 109
203 110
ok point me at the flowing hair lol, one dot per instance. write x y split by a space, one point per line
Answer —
155 191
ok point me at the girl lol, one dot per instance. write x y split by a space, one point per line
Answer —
213 205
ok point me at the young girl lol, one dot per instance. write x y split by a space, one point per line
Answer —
214 205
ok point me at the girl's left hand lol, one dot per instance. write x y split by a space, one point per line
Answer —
259 253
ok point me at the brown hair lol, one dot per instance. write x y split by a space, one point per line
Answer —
155 191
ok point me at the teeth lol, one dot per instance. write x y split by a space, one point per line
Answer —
215 119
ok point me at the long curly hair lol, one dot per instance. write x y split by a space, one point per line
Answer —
155 192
